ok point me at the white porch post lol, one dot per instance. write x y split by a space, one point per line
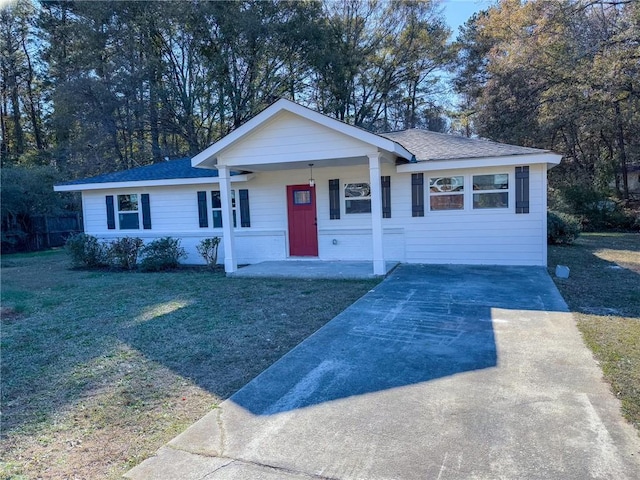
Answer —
230 263
376 214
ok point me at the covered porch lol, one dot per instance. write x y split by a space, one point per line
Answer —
287 138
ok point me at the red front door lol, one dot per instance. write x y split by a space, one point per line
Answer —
303 230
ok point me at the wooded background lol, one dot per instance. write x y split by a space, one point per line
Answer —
90 87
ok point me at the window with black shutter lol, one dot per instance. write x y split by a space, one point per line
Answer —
111 214
522 189
245 217
334 199
203 214
146 211
386 196
417 194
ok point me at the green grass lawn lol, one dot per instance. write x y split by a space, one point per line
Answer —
100 369
603 291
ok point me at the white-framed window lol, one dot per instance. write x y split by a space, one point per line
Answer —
128 212
491 191
446 193
357 197
216 207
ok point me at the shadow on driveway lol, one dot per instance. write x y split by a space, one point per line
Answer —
411 328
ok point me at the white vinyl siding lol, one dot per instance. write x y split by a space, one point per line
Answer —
494 236
305 141
467 236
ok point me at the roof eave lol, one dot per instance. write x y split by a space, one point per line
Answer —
80 187
548 158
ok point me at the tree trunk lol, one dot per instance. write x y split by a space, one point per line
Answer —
35 121
15 106
4 144
156 152
623 153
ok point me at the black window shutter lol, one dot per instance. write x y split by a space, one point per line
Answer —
417 194
111 215
203 216
522 189
245 217
146 211
334 199
386 196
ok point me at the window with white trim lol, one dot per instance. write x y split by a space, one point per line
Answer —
128 212
492 191
357 197
216 207
446 193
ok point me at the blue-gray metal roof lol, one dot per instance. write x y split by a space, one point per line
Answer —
170 169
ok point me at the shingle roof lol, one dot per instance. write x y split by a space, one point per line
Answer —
426 145
158 171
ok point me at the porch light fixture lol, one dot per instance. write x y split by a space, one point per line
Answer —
312 182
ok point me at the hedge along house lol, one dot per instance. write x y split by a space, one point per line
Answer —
293 183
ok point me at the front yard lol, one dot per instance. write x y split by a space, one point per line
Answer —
603 291
100 369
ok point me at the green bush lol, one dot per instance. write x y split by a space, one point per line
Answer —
562 229
596 211
161 254
123 252
86 251
208 249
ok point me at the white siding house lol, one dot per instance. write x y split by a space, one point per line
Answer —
293 183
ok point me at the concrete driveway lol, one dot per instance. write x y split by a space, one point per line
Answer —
440 372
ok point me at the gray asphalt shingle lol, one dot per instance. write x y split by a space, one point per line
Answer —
426 145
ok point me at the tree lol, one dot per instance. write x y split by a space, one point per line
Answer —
378 62
21 101
557 75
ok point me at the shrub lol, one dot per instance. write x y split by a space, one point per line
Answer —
86 250
208 249
595 210
123 252
562 228
161 254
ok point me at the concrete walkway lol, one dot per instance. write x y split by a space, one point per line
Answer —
440 372
310 269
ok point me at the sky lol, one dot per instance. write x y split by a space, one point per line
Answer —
457 12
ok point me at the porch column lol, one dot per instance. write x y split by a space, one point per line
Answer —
376 214
230 263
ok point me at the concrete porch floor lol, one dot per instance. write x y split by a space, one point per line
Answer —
310 269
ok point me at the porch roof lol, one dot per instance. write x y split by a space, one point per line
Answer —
210 156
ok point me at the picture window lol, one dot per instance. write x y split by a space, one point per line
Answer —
446 193
357 197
